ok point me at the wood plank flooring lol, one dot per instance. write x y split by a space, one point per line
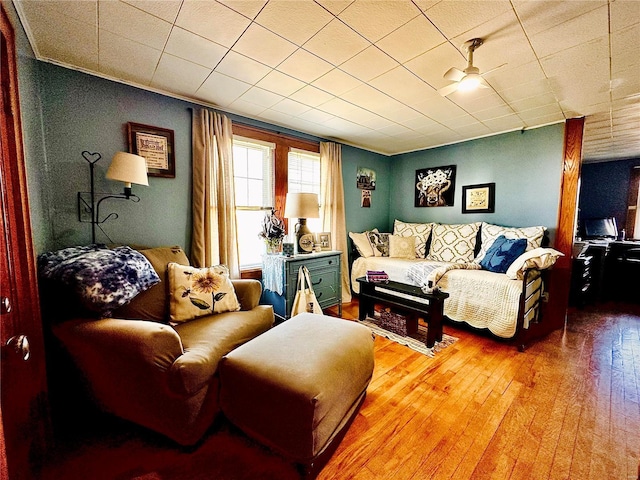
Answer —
566 408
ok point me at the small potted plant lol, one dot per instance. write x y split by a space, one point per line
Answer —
272 232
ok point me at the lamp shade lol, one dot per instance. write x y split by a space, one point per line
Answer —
128 168
301 205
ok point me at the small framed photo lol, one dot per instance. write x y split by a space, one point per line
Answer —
155 144
324 239
479 198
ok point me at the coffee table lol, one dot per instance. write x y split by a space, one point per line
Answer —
405 297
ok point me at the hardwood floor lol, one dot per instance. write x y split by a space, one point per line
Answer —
568 407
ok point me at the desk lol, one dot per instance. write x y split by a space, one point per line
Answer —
622 271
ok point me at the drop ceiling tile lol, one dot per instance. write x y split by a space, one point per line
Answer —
242 107
624 14
194 48
334 6
344 126
264 46
86 12
213 21
221 90
337 82
624 47
166 9
126 21
316 116
248 8
439 108
511 76
541 111
336 43
402 85
533 102
304 66
262 97
367 119
297 22
290 107
520 91
273 116
242 68
311 96
478 100
455 18
179 76
370 98
141 59
432 65
369 64
495 112
504 124
544 120
337 106
278 82
411 39
576 31
475 130
394 129
540 15
375 20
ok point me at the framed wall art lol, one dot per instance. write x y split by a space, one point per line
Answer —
479 198
155 144
435 187
366 179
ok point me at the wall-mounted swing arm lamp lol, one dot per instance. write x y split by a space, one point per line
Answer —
125 167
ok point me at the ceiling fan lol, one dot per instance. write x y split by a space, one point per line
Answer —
468 79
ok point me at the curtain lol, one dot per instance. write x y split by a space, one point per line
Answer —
215 238
332 207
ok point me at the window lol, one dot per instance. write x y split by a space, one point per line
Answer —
267 166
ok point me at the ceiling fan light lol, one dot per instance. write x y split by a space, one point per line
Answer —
470 82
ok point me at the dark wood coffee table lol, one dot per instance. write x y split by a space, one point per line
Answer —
405 297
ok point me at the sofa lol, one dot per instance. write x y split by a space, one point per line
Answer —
143 345
493 274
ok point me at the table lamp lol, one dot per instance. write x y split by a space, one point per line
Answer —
302 206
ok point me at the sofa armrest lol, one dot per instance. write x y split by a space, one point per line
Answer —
248 292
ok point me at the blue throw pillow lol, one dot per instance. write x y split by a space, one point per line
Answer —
103 278
502 253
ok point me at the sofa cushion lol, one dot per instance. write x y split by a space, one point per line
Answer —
453 243
489 232
402 247
419 230
502 253
195 292
361 242
153 304
103 279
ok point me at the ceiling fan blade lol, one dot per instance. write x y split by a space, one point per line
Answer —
444 91
454 74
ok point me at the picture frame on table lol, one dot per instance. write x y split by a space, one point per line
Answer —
324 239
156 145
480 198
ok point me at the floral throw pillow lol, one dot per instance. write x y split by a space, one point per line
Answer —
195 292
104 279
379 243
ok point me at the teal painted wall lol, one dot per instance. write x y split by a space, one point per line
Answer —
525 166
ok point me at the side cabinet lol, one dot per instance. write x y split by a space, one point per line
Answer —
324 270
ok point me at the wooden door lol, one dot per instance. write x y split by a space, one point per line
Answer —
23 393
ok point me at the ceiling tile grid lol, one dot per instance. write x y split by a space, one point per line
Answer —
366 72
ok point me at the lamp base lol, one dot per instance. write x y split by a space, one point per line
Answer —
304 237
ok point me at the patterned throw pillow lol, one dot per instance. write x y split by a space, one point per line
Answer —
402 247
361 242
502 254
489 232
419 230
103 279
379 243
195 292
453 243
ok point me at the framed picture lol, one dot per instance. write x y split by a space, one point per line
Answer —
435 187
366 179
365 200
324 239
479 198
155 144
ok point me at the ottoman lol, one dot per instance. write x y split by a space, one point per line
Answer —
296 387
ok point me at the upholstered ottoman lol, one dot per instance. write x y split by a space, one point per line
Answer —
296 387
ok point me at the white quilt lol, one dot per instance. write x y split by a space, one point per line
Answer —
480 298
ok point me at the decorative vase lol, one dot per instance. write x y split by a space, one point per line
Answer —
274 246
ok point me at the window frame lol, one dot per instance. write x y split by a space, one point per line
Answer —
283 143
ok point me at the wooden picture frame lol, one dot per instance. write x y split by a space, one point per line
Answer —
155 144
480 198
324 239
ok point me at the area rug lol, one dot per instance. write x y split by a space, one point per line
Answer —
414 341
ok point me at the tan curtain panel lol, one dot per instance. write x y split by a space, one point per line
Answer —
215 238
332 207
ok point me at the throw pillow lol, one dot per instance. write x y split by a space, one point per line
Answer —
361 242
419 230
489 232
195 292
103 279
379 243
502 253
453 243
402 247
540 258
